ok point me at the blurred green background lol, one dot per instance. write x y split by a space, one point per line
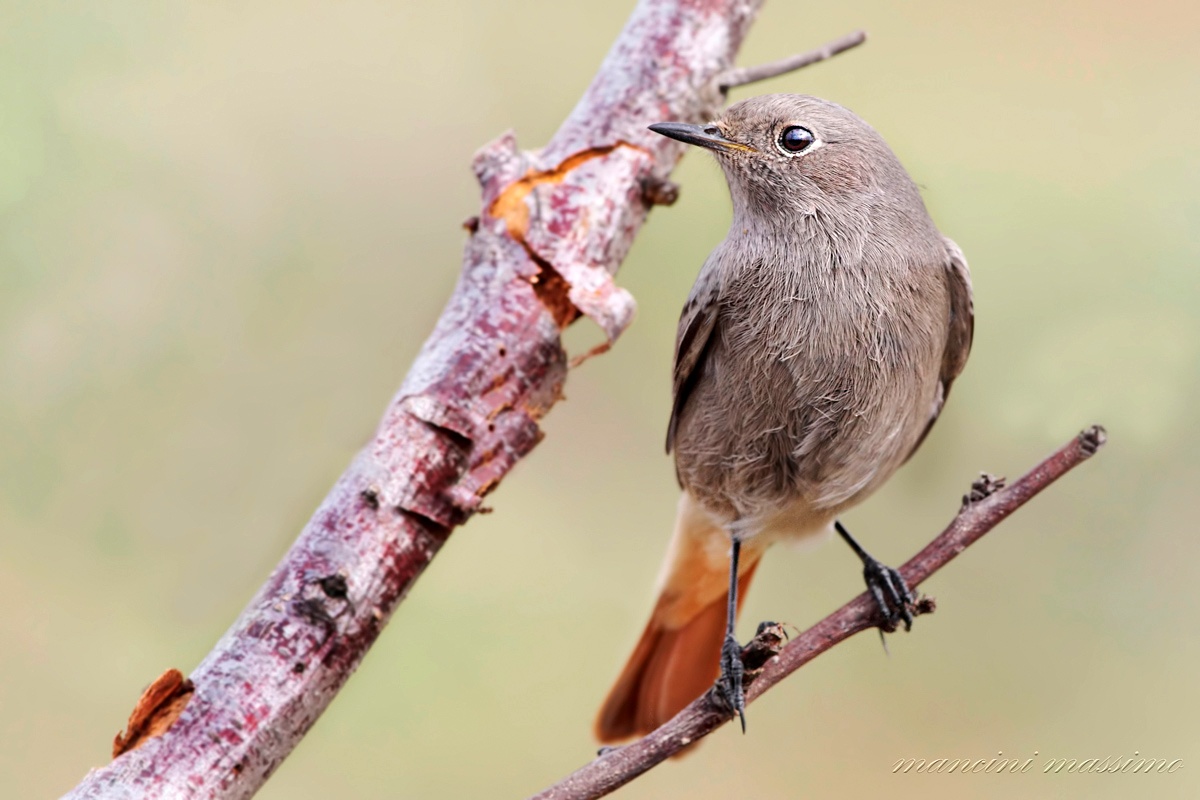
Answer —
225 229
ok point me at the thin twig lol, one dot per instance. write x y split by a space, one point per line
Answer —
741 76
982 510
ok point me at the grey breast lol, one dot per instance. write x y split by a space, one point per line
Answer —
817 376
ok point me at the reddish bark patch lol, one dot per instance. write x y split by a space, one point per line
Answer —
156 711
511 207
554 292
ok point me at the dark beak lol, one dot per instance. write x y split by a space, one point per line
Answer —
701 135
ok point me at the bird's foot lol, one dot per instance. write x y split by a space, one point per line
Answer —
891 594
729 684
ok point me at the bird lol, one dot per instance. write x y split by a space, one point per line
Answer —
813 355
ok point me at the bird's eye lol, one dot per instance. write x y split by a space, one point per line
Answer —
795 139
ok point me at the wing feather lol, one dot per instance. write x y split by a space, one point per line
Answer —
697 323
960 331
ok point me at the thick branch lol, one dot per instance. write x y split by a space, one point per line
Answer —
554 226
982 510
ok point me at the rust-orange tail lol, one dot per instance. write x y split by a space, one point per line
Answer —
669 668
678 656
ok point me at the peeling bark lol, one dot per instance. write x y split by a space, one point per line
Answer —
156 711
555 225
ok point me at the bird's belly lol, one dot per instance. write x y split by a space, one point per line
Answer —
787 436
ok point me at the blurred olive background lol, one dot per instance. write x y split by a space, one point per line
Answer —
225 230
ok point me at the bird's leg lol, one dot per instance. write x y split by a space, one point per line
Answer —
886 585
729 684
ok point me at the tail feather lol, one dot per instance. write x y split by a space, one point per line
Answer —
670 666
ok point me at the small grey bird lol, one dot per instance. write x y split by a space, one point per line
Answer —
813 355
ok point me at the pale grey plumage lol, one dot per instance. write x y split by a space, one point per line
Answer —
814 352
823 333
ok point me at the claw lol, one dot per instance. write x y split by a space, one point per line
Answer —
890 591
886 585
729 685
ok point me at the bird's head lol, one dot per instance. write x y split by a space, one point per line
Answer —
789 154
